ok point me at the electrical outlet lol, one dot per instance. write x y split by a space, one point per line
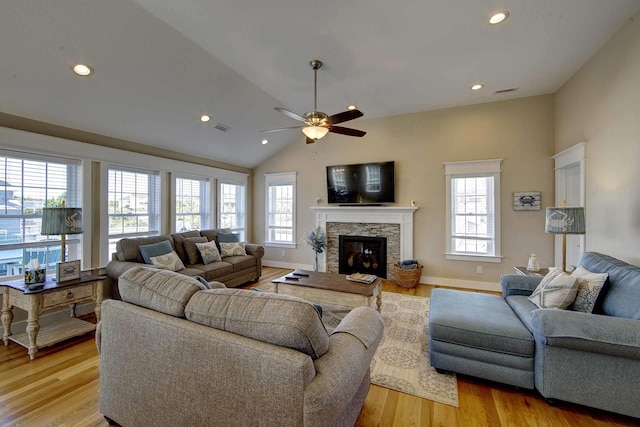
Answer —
284 253
479 269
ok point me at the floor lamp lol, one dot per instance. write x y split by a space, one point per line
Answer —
565 221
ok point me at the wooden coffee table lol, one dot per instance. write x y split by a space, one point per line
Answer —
331 289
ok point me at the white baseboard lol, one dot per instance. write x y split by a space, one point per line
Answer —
463 284
279 264
52 317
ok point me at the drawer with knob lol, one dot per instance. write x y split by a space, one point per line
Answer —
67 296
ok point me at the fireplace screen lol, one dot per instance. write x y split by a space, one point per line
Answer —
363 254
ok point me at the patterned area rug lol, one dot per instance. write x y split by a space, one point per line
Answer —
402 360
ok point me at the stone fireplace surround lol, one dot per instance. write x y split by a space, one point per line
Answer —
395 223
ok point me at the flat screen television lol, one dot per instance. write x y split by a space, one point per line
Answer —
366 183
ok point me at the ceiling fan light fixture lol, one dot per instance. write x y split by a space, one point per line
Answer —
315 132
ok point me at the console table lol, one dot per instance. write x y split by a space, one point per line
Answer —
523 271
51 295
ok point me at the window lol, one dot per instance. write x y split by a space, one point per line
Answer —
27 184
232 207
473 210
281 209
192 210
134 203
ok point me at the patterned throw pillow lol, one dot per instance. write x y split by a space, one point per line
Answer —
170 261
209 252
155 249
232 249
560 292
589 287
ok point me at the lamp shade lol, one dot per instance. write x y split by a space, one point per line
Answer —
57 221
315 132
565 221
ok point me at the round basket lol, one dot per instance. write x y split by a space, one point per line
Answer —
407 278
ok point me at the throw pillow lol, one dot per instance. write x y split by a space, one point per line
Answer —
232 249
193 254
155 249
228 237
170 261
558 293
589 287
209 252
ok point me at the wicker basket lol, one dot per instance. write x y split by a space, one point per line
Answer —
407 278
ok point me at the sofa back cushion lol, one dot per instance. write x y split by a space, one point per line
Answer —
128 249
178 240
191 250
264 316
160 290
622 292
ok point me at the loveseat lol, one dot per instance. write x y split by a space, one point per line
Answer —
173 353
231 270
585 358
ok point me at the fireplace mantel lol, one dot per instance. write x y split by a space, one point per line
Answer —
370 215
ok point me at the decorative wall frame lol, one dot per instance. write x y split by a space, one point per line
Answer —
66 271
526 201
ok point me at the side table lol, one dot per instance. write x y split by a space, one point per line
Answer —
51 295
523 271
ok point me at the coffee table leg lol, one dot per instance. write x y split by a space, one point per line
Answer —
379 298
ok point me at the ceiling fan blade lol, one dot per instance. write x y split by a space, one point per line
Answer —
278 130
345 116
346 131
291 114
310 141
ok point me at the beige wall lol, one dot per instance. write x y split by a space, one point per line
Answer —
600 104
519 131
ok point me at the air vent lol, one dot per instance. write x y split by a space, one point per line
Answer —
223 128
513 89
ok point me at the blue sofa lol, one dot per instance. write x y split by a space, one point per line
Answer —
589 359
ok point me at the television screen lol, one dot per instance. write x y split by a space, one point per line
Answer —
367 183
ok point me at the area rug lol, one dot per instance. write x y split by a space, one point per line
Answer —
402 360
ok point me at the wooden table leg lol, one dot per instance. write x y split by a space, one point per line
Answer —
33 326
99 297
7 317
379 298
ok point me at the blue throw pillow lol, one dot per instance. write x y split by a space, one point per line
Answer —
155 249
203 281
228 237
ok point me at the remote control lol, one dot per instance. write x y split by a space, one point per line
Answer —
295 273
290 278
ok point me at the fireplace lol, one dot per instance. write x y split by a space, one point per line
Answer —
362 254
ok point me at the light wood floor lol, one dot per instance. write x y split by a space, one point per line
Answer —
60 388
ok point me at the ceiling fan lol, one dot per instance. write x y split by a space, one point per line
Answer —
316 123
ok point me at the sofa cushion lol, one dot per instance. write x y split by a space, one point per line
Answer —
191 250
128 249
241 262
209 252
557 293
522 307
168 261
228 237
277 319
160 290
178 242
589 287
215 270
232 249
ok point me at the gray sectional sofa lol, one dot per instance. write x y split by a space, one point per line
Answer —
232 271
175 354
584 358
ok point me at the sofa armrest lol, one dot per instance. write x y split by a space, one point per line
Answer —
517 284
254 249
593 333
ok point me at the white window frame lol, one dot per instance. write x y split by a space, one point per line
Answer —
74 195
470 169
206 205
241 214
277 179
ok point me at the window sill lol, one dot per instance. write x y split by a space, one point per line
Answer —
473 258
280 245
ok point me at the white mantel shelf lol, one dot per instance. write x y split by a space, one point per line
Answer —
371 215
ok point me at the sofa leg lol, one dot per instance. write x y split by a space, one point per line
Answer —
442 371
550 401
110 421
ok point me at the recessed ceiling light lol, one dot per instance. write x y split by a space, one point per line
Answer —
265 141
204 118
82 70
352 107
498 17
477 86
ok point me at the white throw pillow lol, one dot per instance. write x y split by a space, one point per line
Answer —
589 287
559 293
209 252
232 249
170 261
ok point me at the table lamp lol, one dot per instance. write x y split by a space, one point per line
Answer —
565 221
61 221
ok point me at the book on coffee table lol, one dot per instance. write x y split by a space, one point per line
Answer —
362 278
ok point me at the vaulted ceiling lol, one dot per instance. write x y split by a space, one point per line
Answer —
160 64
